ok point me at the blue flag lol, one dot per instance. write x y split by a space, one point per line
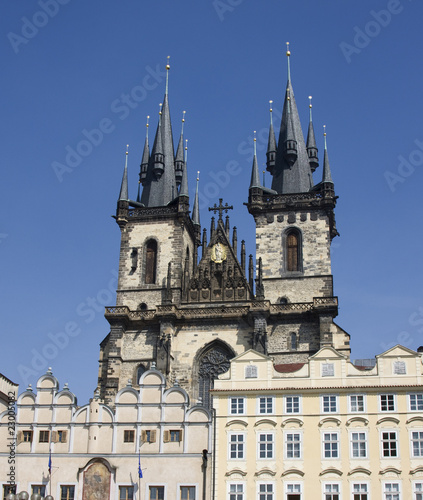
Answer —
139 466
49 462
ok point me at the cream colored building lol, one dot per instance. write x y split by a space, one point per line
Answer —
95 452
327 430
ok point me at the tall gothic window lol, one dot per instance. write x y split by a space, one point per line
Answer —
151 261
213 362
293 251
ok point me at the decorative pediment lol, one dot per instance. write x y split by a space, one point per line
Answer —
292 471
390 420
236 473
357 420
265 421
237 421
390 470
417 470
414 419
360 470
265 472
331 470
292 421
329 421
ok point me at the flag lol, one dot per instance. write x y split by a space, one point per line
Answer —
139 466
49 461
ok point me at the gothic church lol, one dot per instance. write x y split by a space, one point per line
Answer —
189 300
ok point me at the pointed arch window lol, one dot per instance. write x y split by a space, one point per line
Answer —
140 371
150 262
293 251
213 362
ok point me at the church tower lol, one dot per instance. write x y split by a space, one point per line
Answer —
189 300
295 225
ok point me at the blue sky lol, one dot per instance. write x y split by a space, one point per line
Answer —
67 69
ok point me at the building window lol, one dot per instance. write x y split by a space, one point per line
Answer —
331 492
140 371
293 445
236 446
266 491
237 406
265 444
128 436
387 402
148 436
265 405
27 436
391 491
330 445
292 404
293 251
156 493
39 489
172 436
126 492
293 491
417 443
360 491
358 445
236 491
293 341
187 492
150 262
416 402
251 371
44 437
418 491
330 404
389 444
7 489
357 403
68 493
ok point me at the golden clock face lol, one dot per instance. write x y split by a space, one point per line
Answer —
218 253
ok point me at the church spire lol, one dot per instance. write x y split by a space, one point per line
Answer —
183 191
179 159
327 177
292 173
123 195
255 175
311 143
271 145
144 161
159 187
196 207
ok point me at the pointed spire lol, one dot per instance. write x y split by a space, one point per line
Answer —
184 183
196 207
179 159
157 153
290 150
123 196
243 256
311 142
255 176
288 55
167 75
145 156
327 177
271 144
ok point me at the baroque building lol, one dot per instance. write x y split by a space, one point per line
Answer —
190 300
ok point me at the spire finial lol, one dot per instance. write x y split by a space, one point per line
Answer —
167 75
288 53
264 178
186 149
271 112
183 121
324 135
147 125
310 105
160 108
255 144
198 176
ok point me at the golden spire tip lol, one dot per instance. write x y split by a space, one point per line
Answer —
168 65
288 52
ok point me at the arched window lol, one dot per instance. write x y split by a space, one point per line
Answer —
293 250
150 262
140 371
213 362
293 341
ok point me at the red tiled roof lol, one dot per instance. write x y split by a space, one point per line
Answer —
289 367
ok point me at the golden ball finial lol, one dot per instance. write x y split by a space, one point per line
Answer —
288 52
310 105
168 65
324 130
127 148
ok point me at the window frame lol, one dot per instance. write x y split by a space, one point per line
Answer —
384 492
394 402
417 493
151 249
358 430
154 485
337 441
285 404
236 483
289 249
127 435
350 408
45 434
300 444
420 440
238 398
416 394
266 493
293 483
272 443
360 483
42 487
187 485
230 443
322 403
382 441
28 433
272 400
331 484
67 486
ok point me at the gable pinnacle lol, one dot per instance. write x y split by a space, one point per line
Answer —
327 177
183 191
145 158
311 142
123 195
271 144
196 207
179 159
255 176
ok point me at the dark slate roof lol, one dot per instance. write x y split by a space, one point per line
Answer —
311 139
160 192
296 178
255 175
271 144
327 177
123 195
